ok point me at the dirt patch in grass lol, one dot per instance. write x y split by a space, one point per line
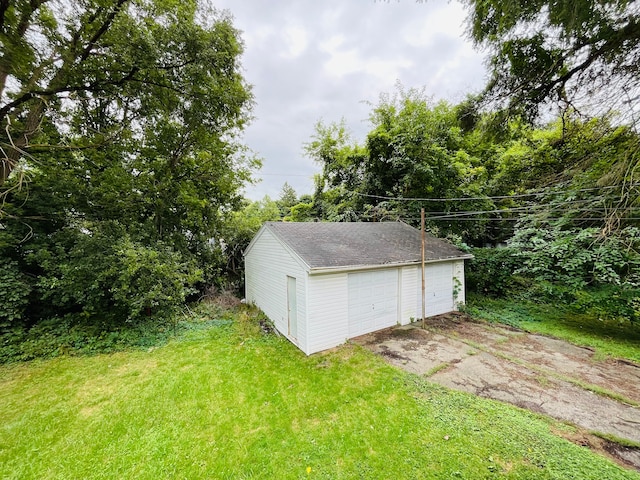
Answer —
626 456
538 373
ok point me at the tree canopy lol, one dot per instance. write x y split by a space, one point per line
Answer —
124 117
570 173
579 54
119 71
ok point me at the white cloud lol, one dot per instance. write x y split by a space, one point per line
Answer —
345 62
310 60
445 22
295 41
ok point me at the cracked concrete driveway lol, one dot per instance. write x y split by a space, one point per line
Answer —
535 372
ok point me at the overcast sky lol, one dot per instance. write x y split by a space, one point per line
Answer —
311 60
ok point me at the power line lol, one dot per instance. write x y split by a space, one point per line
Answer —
526 210
531 209
497 197
517 219
286 174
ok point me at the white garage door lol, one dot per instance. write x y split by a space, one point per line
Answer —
438 289
373 301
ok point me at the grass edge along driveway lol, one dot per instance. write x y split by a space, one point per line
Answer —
227 403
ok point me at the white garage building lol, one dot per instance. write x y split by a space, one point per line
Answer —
323 283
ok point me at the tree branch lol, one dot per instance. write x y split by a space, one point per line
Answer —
4 111
101 31
629 32
23 24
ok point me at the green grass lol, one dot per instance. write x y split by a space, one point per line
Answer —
608 338
61 336
226 401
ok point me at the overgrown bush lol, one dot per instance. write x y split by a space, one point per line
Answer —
578 257
577 269
102 278
64 336
491 271
14 294
58 336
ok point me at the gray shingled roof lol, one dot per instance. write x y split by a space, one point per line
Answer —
348 244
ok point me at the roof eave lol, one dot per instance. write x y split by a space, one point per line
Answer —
352 268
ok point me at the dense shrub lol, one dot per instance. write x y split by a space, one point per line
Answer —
102 278
574 269
578 257
64 336
491 271
14 292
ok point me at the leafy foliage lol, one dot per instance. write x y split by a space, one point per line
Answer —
124 70
107 278
446 159
129 143
568 53
415 149
564 197
491 272
578 268
56 337
471 183
239 231
577 258
14 291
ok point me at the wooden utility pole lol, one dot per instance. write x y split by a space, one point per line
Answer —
422 263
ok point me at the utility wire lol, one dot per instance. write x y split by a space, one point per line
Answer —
498 197
524 208
464 215
572 219
530 210
527 209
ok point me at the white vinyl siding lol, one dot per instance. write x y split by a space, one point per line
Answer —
458 284
327 311
332 307
267 265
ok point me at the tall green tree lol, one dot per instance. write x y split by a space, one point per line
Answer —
112 71
125 116
288 198
583 57
337 188
416 149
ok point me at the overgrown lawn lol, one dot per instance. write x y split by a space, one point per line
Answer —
615 338
228 401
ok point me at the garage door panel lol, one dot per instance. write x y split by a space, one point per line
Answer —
373 301
379 291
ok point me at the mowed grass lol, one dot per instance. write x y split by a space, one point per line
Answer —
609 338
230 402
